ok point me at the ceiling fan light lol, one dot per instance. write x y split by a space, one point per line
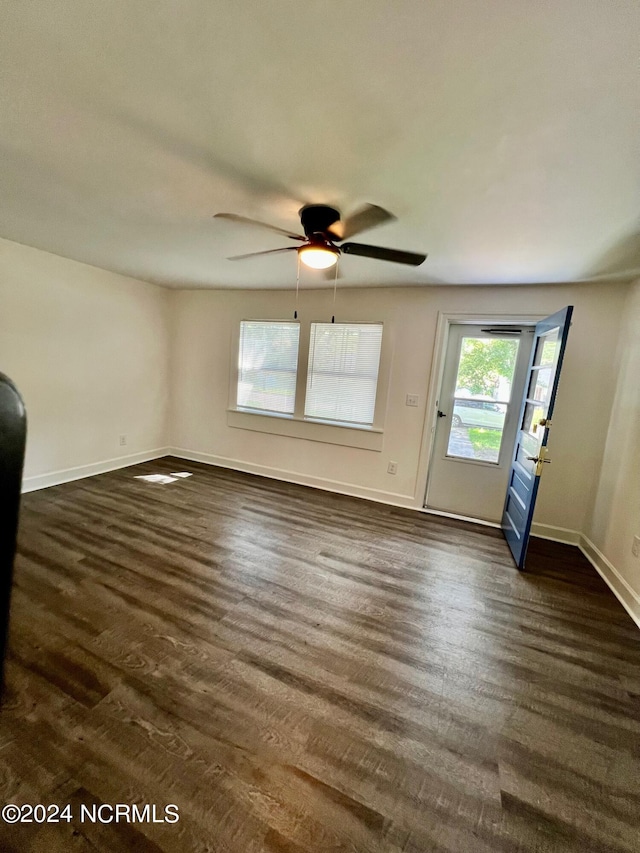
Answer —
317 257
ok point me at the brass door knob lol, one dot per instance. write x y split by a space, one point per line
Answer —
539 460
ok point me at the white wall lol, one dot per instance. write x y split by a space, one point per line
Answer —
88 350
615 515
97 355
203 323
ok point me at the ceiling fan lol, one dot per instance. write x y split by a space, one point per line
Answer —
323 229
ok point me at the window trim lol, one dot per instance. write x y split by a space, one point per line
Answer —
369 437
292 427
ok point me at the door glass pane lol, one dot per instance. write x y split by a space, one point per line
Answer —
531 418
483 392
529 444
547 348
540 384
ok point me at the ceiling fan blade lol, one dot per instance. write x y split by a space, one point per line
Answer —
243 220
368 216
268 252
381 254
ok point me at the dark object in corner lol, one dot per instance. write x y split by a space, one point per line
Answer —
13 434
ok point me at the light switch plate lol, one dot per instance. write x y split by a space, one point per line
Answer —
412 399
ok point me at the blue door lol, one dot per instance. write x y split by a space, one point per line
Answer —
530 451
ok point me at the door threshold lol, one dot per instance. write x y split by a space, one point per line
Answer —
461 517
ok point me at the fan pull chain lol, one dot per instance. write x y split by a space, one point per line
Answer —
335 287
295 313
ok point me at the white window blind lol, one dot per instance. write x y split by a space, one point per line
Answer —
267 365
343 372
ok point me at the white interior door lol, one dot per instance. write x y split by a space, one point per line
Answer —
478 407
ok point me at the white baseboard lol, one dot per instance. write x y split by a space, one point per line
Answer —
556 534
428 511
392 498
54 478
625 594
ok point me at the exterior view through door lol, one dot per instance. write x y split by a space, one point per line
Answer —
478 406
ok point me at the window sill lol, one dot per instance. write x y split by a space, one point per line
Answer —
328 432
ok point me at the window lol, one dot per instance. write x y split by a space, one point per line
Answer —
334 396
342 376
267 366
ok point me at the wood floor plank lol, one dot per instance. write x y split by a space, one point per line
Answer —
303 671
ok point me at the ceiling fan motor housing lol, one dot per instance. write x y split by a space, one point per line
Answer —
318 218
322 234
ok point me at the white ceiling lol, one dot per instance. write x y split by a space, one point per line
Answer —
505 135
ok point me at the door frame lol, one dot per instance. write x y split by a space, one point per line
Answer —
445 321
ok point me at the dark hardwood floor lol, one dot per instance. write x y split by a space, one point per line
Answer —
302 672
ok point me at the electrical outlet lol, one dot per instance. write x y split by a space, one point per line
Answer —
412 399
123 440
392 468
635 548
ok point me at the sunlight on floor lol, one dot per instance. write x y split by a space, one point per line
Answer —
163 479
